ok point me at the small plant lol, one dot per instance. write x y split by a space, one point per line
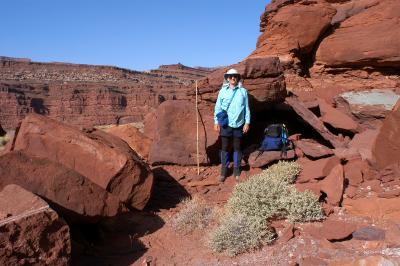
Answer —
238 233
194 214
255 202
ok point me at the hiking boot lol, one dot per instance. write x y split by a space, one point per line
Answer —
224 165
236 173
224 171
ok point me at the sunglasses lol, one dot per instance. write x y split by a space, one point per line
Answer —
233 76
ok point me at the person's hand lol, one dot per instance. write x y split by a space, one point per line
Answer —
246 128
216 127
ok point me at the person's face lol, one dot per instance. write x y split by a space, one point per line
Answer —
233 80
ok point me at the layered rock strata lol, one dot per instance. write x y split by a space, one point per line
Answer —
87 95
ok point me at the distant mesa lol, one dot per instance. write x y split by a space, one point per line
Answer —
88 95
16 59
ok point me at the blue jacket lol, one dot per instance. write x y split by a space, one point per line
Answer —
238 112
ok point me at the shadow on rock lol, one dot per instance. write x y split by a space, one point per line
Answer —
167 192
115 241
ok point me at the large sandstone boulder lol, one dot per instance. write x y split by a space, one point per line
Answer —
363 143
31 232
312 171
264 81
175 134
386 148
313 149
292 28
106 160
131 135
262 77
75 197
336 118
369 106
314 41
259 159
376 31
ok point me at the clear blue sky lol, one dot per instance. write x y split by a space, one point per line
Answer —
135 34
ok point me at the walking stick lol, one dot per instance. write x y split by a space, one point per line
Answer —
197 135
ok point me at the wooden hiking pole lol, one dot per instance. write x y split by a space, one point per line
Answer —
197 135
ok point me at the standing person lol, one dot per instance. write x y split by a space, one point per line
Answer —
232 98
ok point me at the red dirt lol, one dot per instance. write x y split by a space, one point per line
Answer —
153 241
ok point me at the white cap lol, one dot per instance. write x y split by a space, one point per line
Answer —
231 71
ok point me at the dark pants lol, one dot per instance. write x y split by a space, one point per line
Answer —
229 134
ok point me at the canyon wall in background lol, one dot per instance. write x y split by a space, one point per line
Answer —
87 95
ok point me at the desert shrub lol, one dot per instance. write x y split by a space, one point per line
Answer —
194 214
257 198
239 233
283 171
263 197
302 206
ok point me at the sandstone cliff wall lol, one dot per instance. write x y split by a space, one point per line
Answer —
86 95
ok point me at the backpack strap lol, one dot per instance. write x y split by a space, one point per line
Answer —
284 140
231 99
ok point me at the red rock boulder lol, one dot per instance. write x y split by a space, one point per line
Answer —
69 193
131 135
336 118
312 171
31 232
313 149
369 107
262 77
376 31
363 143
386 148
106 160
333 185
292 28
259 159
332 229
175 134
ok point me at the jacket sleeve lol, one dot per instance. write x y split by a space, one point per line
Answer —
247 110
217 108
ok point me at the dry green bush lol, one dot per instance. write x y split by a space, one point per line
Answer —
263 197
194 214
237 234
283 171
302 206
269 194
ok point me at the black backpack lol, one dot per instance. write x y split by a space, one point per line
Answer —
275 139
